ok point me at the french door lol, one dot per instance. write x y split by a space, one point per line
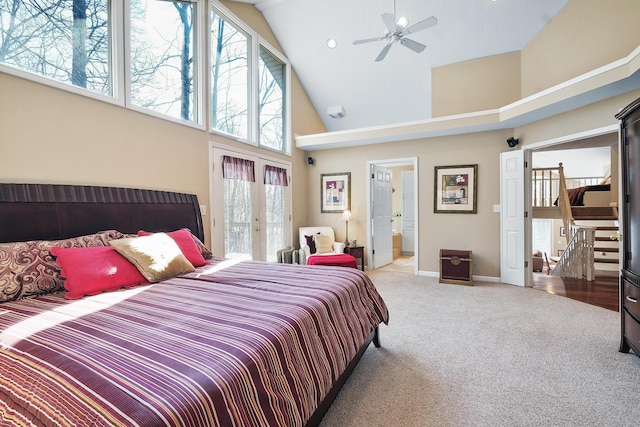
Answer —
251 201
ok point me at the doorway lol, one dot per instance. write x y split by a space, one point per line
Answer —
399 210
539 155
250 204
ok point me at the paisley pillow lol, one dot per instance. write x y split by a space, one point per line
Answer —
29 269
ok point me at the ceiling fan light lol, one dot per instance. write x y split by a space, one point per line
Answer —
402 22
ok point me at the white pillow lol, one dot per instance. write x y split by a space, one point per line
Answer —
324 244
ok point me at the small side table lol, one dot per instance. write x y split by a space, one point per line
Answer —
357 252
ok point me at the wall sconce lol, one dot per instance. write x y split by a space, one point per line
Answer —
346 215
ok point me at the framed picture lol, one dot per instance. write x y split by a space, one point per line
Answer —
455 189
335 192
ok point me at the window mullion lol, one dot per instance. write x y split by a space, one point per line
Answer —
255 91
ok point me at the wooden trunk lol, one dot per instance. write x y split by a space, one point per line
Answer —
455 267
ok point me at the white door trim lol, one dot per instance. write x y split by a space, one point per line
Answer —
528 152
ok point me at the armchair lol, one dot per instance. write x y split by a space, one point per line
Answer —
326 245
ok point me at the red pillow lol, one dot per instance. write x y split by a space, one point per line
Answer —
186 244
93 270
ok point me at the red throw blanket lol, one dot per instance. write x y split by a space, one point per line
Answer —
342 260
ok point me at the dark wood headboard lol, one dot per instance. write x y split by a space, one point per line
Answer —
51 212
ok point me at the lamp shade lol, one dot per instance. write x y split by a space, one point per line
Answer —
346 215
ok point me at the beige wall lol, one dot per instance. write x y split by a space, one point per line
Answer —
475 85
479 233
592 116
53 136
584 35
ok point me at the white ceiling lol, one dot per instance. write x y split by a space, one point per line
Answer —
398 89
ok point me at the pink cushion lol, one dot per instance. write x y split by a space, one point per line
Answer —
186 244
90 271
342 260
28 268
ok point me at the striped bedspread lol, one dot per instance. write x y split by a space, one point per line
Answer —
233 344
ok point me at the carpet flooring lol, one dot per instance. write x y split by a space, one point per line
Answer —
489 355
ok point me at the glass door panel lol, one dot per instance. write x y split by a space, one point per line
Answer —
238 214
251 212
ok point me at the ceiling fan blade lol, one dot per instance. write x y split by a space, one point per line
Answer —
375 39
383 52
421 25
389 22
413 45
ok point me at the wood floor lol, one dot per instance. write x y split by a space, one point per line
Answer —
602 292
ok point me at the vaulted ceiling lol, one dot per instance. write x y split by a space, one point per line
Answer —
398 88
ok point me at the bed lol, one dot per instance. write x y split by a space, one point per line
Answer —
229 343
589 195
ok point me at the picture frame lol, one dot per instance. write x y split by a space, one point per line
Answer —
335 192
455 189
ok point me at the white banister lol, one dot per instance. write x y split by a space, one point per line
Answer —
577 260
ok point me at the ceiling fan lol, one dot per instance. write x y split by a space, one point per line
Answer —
397 33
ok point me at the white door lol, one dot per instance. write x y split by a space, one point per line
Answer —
275 208
251 206
512 221
381 199
408 211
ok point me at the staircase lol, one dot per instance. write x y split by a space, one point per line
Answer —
605 245
592 231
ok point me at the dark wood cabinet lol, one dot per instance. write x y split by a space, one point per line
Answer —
630 228
357 252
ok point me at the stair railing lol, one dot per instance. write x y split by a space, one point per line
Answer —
565 205
577 260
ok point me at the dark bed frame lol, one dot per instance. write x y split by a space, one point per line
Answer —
53 212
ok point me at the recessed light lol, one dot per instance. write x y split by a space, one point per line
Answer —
332 43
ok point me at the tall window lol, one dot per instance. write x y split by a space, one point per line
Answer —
238 182
272 101
230 77
162 59
275 190
541 235
65 40
75 44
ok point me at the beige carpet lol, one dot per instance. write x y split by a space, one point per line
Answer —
489 355
402 264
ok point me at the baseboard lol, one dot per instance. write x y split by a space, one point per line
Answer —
476 278
486 279
429 273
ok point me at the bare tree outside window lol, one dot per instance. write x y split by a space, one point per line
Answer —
65 40
162 34
230 77
272 101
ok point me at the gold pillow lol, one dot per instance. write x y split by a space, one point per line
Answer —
157 257
324 244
